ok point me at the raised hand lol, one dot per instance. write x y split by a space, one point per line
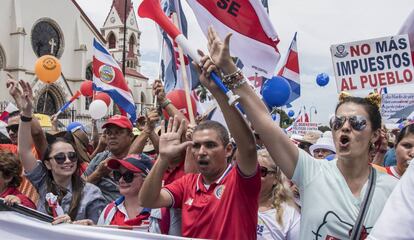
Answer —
204 70
26 99
151 119
170 146
158 91
189 132
220 51
14 90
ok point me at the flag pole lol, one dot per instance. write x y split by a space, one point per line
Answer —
159 68
184 77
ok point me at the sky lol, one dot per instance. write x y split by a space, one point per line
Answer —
319 23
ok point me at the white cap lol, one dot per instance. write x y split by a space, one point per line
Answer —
325 142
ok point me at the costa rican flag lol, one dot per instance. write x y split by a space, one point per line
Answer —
108 78
290 70
171 73
254 38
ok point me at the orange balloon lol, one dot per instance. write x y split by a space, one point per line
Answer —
48 69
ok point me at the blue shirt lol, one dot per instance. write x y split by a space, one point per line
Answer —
390 158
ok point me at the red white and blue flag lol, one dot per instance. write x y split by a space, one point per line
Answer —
108 78
171 73
290 70
254 38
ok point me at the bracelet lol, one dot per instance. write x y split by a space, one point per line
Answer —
231 74
234 80
165 104
25 119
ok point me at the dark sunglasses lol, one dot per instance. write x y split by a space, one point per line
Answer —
60 158
264 171
128 176
357 122
14 128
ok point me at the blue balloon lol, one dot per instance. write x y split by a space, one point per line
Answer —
322 79
291 113
276 92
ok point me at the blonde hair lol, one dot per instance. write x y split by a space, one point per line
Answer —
281 192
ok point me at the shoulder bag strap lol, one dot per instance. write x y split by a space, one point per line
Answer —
356 231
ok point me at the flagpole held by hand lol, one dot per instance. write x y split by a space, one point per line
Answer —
152 9
185 78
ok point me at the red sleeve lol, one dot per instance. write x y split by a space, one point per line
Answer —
26 201
250 184
177 190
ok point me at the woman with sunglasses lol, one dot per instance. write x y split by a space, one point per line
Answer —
404 152
56 173
279 217
331 192
130 173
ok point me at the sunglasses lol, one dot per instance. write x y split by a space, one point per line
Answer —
264 171
128 176
358 123
14 128
60 158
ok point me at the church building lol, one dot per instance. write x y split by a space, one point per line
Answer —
31 29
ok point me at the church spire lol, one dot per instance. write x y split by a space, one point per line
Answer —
120 8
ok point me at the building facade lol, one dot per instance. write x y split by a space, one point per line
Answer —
32 29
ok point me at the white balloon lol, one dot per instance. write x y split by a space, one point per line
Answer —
98 109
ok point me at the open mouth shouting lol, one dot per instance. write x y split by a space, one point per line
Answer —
344 141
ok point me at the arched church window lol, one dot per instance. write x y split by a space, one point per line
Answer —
47 103
131 45
112 40
89 72
47 38
2 59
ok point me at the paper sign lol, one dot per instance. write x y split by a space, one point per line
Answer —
371 64
303 127
392 103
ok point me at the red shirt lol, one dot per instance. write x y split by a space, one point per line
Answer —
227 210
173 174
13 191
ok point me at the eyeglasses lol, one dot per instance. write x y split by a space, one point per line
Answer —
358 123
264 171
60 158
128 176
13 128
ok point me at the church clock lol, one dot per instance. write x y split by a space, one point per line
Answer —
46 39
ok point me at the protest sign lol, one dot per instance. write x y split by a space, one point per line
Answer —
303 127
392 103
371 64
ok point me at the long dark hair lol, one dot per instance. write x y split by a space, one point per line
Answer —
53 187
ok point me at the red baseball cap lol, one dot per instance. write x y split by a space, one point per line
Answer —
120 121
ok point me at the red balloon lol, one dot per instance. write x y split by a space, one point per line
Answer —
177 98
104 97
86 88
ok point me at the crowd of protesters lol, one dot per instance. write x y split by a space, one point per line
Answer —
206 181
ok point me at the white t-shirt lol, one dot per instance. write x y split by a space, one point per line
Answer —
269 228
329 209
397 218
